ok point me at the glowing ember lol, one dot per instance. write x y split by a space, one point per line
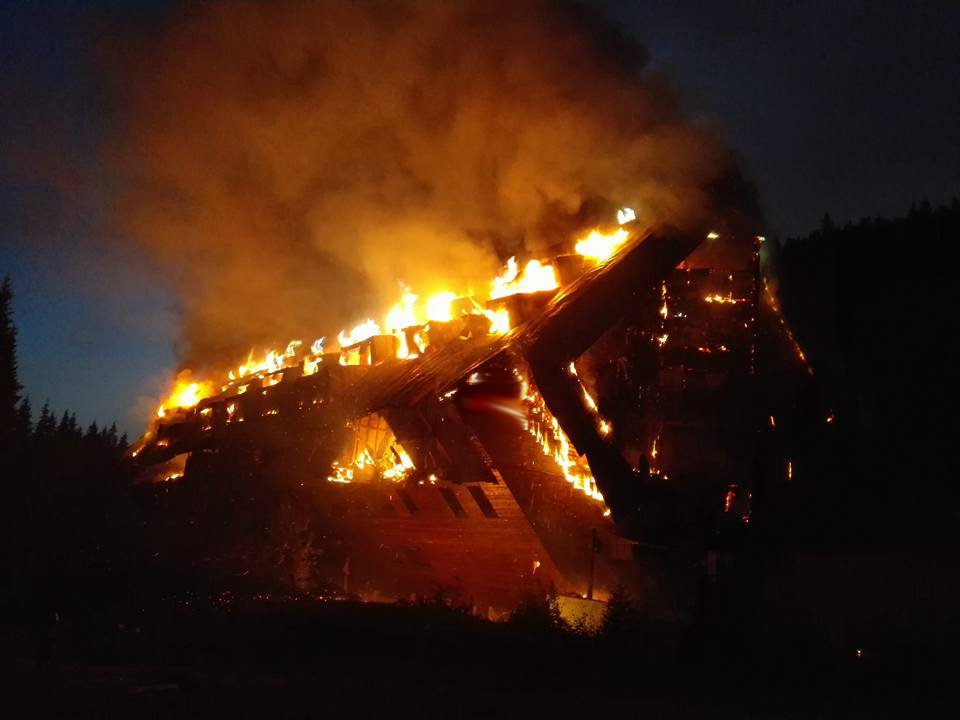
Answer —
727 299
545 428
310 365
340 474
401 466
272 380
771 300
588 399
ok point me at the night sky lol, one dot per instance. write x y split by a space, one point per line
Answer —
846 107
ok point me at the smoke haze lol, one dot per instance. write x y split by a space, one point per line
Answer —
289 163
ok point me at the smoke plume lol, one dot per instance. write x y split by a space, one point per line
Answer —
289 163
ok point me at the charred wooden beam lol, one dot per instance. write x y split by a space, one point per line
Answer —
572 322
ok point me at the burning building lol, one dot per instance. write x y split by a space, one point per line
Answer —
501 445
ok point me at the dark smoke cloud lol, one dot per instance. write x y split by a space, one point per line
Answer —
289 162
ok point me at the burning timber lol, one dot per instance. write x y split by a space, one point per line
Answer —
452 455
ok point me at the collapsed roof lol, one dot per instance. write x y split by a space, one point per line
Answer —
547 338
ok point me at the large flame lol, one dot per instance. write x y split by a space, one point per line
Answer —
536 277
404 313
407 320
600 246
364 331
408 312
185 394
271 362
438 307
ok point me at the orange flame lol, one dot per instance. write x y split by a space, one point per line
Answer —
364 331
185 394
536 277
545 428
601 246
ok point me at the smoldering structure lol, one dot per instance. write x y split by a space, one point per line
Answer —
624 428
295 165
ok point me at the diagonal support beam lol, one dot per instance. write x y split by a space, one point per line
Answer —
572 322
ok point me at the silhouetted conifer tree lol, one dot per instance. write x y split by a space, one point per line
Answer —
46 427
9 385
25 418
110 436
64 431
881 358
826 224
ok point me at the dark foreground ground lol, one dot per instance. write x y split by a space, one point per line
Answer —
340 658
104 691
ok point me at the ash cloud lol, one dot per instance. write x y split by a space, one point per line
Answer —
289 162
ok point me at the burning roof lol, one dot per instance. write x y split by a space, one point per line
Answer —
404 365
434 412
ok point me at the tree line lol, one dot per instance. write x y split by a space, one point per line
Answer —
65 513
874 304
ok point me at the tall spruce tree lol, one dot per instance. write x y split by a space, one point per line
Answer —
25 418
110 436
9 384
46 426
64 430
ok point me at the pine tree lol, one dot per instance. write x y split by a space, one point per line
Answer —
63 428
46 426
9 385
93 432
826 225
123 443
25 418
110 436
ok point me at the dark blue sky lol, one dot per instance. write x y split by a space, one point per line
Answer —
846 107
